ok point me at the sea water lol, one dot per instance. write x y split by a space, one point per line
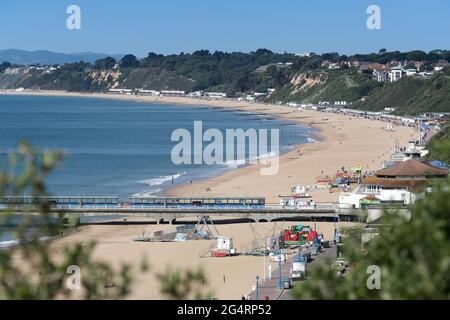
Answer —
118 147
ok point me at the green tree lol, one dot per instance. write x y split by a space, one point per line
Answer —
29 270
332 56
438 145
129 61
182 285
105 64
4 65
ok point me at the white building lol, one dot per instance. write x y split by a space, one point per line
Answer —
441 65
196 94
250 98
396 74
400 183
145 92
121 91
294 104
304 54
216 95
173 93
411 72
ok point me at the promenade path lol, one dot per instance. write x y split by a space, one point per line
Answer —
270 288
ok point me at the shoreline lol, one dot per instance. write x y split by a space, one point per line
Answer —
345 140
231 105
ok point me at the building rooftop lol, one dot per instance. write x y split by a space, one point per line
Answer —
411 174
412 168
412 184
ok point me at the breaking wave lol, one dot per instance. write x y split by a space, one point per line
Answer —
160 180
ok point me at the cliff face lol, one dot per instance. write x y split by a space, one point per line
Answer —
304 82
307 84
155 79
411 95
339 85
439 146
105 78
7 80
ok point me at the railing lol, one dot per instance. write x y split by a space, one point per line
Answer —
329 209
205 251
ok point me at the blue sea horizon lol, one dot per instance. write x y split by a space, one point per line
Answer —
121 148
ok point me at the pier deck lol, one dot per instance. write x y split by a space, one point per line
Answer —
170 215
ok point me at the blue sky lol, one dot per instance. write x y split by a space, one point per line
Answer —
172 26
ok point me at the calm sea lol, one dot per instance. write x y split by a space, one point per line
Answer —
120 148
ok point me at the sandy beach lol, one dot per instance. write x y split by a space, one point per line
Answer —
344 141
115 246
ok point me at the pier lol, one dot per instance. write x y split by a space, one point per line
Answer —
168 210
170 215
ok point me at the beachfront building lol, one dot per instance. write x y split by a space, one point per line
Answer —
173 93
121 91
400 184
216 95
413 151
144 92
196 94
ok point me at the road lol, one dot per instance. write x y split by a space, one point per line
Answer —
270 289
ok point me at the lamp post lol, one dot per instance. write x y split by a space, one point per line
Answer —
257 287
334 227
264 266
280 282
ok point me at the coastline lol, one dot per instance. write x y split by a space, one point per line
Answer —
228 105
342 141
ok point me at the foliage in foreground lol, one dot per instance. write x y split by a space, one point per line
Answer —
31 270
413 256
183 285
